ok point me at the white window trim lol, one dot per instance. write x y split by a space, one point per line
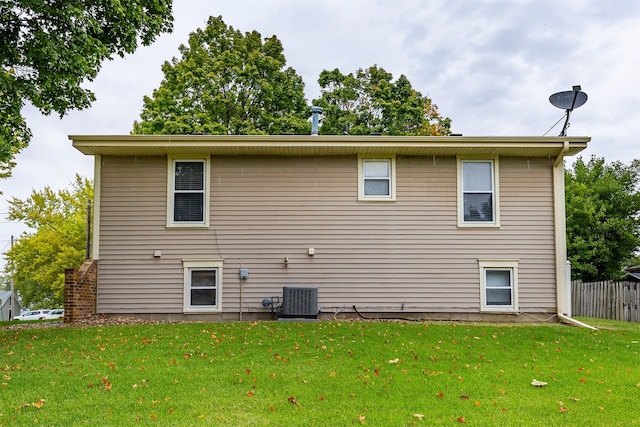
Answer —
506 264
392 187
496 193
188 266
170 187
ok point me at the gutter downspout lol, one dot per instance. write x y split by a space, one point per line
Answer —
97 189
563 290
574 322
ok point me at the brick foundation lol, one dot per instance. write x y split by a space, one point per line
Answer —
80 291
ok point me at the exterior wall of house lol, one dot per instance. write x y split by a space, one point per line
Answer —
6 312
405 256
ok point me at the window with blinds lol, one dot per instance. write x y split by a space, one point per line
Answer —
478 191
376 178
188 192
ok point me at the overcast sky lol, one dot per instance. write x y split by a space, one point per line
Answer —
489 65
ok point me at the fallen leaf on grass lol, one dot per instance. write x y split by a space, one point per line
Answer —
361 418
37 404
464 397
419 416
396 360
563 409
293 400
106 384
462 420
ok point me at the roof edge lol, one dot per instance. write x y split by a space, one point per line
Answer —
325 144
323 138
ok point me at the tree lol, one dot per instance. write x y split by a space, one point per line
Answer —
226 82
603 218
38 258
369 102
48 49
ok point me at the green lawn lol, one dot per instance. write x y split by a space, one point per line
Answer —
321 374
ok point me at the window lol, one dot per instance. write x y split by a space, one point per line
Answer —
477 193
188 196
202 286
499 280
376 178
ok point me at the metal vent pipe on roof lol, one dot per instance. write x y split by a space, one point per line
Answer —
315 119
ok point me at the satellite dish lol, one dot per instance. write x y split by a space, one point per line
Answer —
569 101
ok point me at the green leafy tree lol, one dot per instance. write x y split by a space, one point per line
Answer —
603 218
48 49
369 101
38 258
226 82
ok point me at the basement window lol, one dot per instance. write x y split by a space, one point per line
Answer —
202 286
499 285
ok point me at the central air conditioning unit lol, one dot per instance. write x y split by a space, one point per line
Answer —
299 303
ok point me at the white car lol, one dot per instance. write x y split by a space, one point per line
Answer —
57 313
33 315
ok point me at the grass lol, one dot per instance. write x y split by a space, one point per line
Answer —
336 373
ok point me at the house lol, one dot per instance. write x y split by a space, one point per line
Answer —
633 274
207 227
9 305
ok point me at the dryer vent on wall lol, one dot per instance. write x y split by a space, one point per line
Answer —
299 302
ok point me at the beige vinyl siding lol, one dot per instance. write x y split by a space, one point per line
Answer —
406 255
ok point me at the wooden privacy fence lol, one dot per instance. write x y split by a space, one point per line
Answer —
606 300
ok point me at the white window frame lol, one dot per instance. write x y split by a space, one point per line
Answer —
201 265
172 160
500 265
391 160
495 173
